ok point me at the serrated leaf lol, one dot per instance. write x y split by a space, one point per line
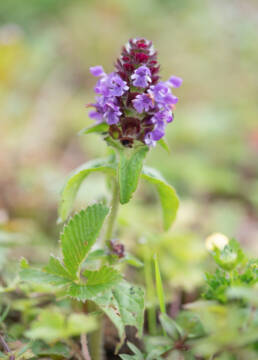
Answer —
129 170
55 267
41 277
124 305
75 180
98 128
80 234
167 195
97 282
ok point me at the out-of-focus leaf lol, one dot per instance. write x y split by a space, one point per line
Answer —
52 326
98 128
171 327
159 286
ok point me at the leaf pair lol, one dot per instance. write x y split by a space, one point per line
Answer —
129 171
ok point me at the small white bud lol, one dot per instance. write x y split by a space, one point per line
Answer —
216 240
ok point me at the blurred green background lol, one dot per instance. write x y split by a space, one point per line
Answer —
46 49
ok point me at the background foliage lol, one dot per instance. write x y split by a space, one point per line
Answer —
46 48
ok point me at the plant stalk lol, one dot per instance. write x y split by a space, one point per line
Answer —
113 213
96 339
85 350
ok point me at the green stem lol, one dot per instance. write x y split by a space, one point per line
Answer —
113 213
96 339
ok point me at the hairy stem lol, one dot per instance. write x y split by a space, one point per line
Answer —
96 339
85 350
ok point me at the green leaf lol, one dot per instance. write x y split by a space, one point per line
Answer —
97 281
132 260
55 267
171 327
80 234
75 180
167 194
124 305
52 326
41 277
159 286
130 166
138 355
162 142
98 128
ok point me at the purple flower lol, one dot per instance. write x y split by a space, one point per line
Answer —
164 116
141 76
175 81
97 71
112 113
162 95
143 102
148 140
116 85
111 85
96 115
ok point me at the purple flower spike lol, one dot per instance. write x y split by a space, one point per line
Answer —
175 81
143 102
97 71
132 100
141 77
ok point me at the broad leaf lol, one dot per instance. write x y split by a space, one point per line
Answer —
130 166
124 305
80 234
97 282
98 128
168 197
75 180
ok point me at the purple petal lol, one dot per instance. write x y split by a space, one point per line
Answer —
175 81
97 70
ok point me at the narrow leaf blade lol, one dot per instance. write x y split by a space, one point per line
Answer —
98 128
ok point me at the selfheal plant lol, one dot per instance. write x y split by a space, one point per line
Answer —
132 109
132 101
